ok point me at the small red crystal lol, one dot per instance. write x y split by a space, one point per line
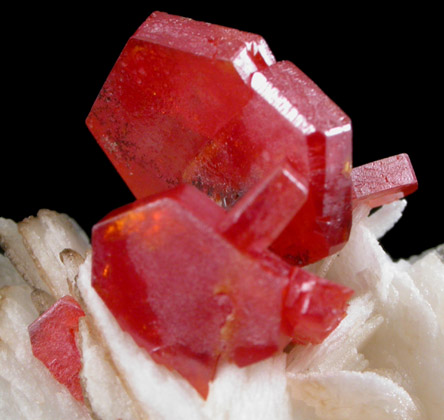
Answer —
53 343
191 283
313 307
383 181
191 102
264 212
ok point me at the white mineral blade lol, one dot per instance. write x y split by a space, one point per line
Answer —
362 264
101 384
9 276
31 391
12 242
428 275
385 218
45 237
341 349
408 346
347 395
257 392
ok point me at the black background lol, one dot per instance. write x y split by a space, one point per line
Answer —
381 66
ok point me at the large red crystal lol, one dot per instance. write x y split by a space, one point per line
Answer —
175 85
191 102
53 343
193 284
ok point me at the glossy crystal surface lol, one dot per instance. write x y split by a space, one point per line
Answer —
193 284
383 181
191 102
54 344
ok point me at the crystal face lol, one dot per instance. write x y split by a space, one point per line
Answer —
193 284
53 343
383 181
196 103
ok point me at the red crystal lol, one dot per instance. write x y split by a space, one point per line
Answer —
383 181
313 307
53 343
261 215
176 83
191 283
191 102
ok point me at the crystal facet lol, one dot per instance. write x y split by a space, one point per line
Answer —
53 343
192 283
191 102
383 181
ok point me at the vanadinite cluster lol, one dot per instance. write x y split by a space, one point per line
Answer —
242 171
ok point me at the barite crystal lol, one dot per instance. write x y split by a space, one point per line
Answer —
197 103
53 342
193 284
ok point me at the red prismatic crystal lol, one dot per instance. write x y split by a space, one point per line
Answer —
190 102
383 181
261 215
190 283
53 343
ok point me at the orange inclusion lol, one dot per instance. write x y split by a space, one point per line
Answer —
106 271
126 224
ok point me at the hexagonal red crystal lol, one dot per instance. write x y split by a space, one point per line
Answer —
207 105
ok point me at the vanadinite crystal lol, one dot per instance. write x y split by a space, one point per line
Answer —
196 103
193 283
383 181
53 343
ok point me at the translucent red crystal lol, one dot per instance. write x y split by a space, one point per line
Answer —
191 283
383 181
53 343
313 307
191 102
176 83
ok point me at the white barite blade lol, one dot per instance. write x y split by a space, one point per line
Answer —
428 275
341 349
408 346
9 276
11 241
255 392
362 264
102 386
385 218
45 237
347 395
